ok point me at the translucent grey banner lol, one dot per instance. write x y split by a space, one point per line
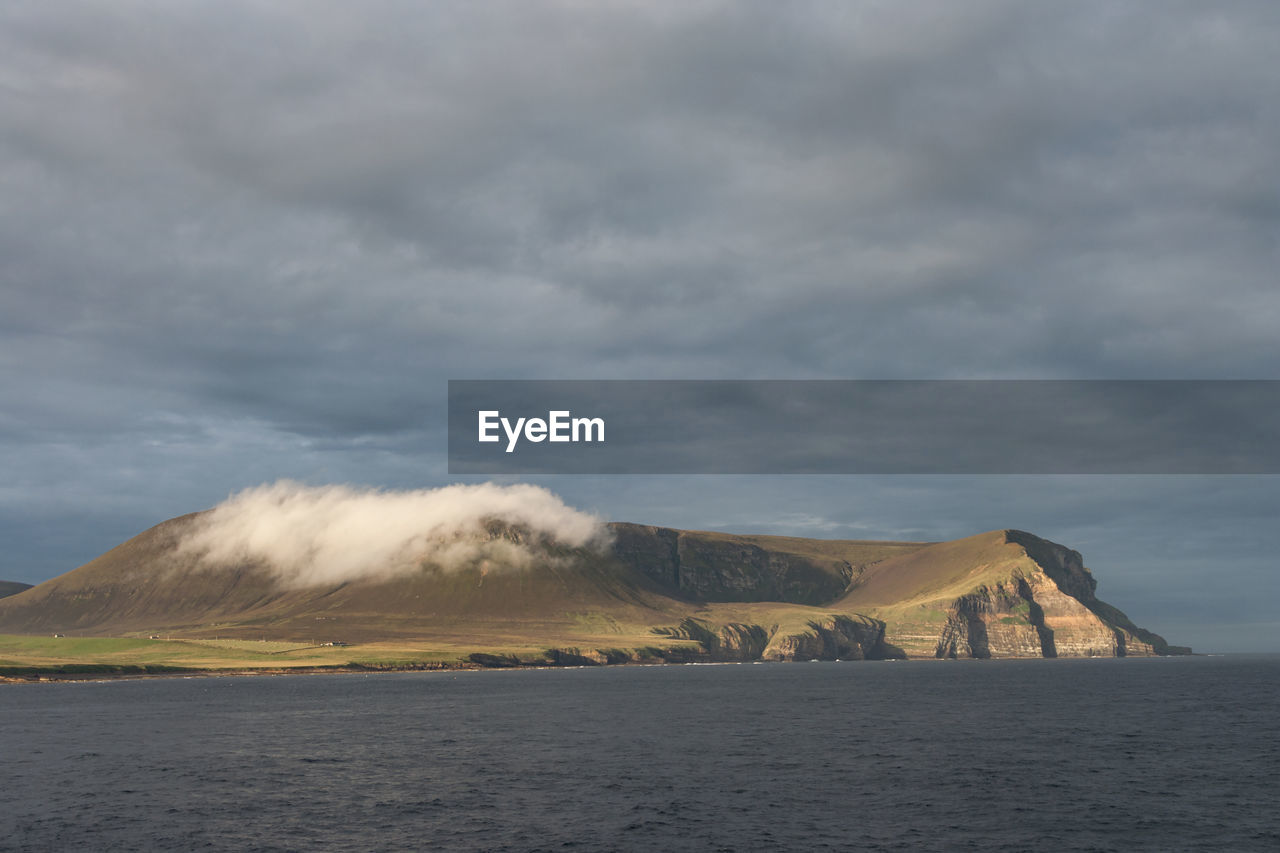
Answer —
864 427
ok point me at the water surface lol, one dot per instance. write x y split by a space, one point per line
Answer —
1128 754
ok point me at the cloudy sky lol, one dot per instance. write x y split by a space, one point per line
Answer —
244 241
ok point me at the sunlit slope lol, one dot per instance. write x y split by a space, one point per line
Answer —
134 584
147 585
1005 593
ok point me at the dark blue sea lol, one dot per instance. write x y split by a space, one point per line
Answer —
1062 755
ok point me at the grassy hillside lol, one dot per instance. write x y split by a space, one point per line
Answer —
915 592
145 586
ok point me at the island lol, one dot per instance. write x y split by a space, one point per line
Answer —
647 595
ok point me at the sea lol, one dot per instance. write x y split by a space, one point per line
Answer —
1060 755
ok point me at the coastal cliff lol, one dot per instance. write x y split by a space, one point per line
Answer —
1005 593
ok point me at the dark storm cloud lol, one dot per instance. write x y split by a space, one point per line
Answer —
818 191
248 240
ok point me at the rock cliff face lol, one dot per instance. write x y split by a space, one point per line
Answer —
716 567
1064 569
732 642
833 638
1043 606
999 617
830 637
1030 617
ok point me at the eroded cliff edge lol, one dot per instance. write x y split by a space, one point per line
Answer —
1006 593
1002 594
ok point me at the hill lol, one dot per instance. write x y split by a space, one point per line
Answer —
8 588
653 594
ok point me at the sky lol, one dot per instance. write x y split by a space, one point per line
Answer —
249 241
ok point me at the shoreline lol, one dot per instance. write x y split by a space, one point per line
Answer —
124 672
129 673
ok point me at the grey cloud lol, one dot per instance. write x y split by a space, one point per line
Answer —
981 163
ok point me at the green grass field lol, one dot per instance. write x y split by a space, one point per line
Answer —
24 655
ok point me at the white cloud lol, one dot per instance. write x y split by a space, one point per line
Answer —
310 535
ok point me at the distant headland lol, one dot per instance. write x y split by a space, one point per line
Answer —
510 595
